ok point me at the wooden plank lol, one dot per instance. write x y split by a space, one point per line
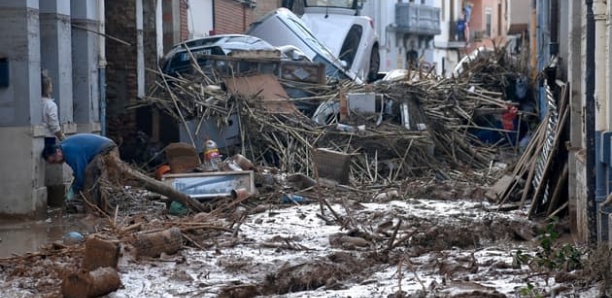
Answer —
554 199
266 88
555 146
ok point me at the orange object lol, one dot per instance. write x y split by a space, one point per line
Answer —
508 118
161 170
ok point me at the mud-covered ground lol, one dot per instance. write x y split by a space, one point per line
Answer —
440 246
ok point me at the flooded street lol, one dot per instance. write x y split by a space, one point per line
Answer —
18 237
399 248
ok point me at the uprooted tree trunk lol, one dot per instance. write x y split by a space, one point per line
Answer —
153 244
113 161
100 253
91 284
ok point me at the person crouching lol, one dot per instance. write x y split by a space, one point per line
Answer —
93 159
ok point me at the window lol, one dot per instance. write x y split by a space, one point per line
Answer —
488 20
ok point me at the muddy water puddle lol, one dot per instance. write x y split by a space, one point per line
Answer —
24 236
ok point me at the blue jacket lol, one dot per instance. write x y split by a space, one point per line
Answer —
79 150
468 14
460 26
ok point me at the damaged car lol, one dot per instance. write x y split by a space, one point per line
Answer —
282 28
178 59
350 36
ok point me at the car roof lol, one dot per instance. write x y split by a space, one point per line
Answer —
352 4
218 45
227 42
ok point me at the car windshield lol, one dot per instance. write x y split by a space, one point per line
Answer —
332 3
304 32
331 70
180 62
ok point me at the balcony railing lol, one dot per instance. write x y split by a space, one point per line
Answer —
417 19
455 40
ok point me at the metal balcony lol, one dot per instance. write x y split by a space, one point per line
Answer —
417 19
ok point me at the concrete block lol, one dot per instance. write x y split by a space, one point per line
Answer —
22 175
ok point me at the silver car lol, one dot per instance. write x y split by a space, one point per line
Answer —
178 60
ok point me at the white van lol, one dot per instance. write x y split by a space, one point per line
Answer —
350 36
282 27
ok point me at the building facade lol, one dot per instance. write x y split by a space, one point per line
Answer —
150 29
99 54
425 31
405 30
56 35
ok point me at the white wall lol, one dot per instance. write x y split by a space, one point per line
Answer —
392 44
449 56
200 18
392 53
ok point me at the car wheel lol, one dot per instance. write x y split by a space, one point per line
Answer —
374 64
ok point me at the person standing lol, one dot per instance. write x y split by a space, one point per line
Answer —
461 29
49 109
467 16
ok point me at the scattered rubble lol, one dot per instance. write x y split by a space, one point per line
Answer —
391 199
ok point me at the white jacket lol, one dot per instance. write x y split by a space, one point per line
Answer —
49 115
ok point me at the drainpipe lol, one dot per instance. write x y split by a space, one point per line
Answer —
102 66
533 43
601 125
244 17
608 97
214 24
543 50
590 122
554 28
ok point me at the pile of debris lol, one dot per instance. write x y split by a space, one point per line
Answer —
417 125
353 149
541 172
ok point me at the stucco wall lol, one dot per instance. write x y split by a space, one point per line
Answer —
200 18
520 11
497 8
